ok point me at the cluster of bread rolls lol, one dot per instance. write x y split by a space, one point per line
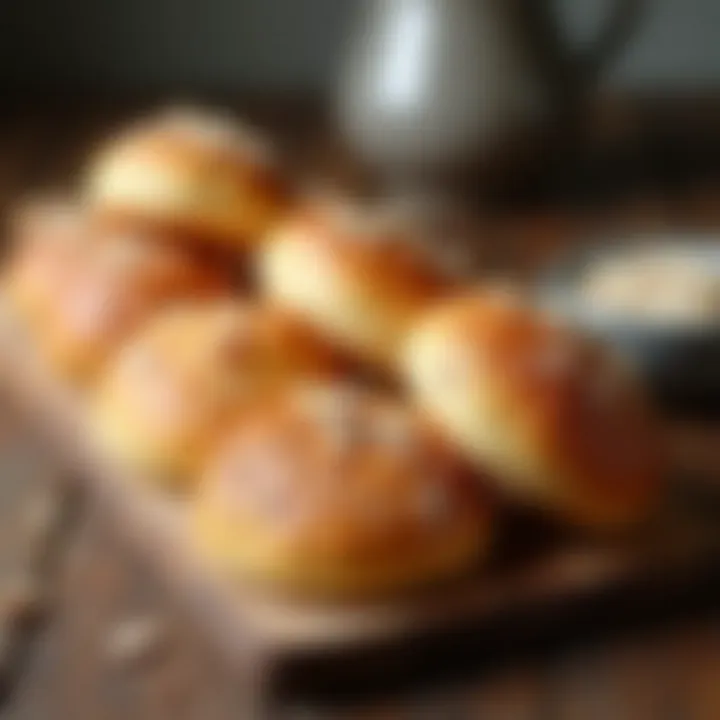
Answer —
305 475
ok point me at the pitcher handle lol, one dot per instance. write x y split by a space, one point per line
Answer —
574 74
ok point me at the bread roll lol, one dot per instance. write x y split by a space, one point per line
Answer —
334 492
117 284
173 385
361 276
48 236
197 174
557 420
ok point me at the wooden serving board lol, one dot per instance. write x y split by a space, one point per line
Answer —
538 584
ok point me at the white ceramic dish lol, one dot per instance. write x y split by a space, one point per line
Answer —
679 360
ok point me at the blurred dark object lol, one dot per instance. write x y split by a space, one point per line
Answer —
573 75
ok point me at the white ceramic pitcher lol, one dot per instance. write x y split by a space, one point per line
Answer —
432 83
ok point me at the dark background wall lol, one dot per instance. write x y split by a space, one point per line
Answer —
285 44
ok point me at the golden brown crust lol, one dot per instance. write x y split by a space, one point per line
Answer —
174 385
117 284
382 254
357 275
561 423
190 173
336 491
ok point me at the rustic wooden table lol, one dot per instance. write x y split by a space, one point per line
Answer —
85 633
